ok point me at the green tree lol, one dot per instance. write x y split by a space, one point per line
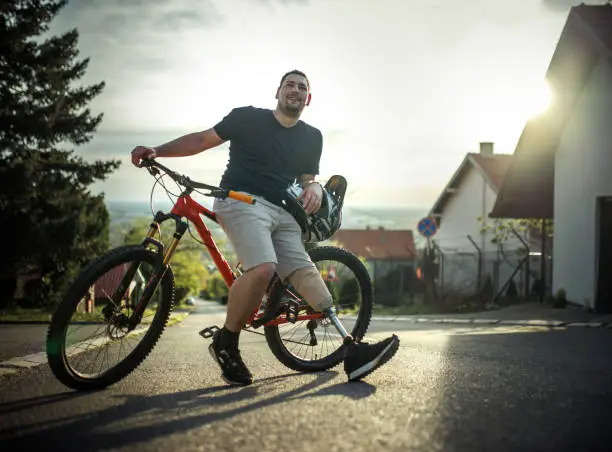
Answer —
190 274
216 288
136 231
189 262
502 229
54 224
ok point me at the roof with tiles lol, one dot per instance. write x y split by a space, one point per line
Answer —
378 244
491 166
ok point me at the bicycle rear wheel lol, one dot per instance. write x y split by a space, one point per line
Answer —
90 327
315 345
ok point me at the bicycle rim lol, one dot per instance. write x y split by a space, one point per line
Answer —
90 343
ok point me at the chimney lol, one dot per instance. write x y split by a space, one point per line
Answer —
486 148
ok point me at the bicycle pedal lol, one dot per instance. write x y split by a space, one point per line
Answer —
208 332
292 309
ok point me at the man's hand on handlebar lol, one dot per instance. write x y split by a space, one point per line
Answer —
142 153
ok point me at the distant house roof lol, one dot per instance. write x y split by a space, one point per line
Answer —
382 244
528 187
492 168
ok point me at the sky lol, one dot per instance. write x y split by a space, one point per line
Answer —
401 89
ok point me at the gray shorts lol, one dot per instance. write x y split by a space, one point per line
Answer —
262 232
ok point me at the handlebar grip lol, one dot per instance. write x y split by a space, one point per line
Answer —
241 197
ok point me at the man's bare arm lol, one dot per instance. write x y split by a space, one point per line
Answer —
189 144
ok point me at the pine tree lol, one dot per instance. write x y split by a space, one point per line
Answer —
52 223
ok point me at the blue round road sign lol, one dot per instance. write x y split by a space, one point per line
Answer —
427 227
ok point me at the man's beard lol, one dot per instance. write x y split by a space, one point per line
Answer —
290 110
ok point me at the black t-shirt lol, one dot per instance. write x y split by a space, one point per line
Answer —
265 157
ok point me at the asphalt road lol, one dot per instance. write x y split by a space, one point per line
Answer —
20 340
449 388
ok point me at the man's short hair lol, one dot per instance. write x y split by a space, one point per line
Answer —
294 72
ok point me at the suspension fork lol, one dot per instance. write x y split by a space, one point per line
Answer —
129 275
158 274
159 269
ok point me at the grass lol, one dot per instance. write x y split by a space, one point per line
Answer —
454 305
43 315
20 314
419 307
413 309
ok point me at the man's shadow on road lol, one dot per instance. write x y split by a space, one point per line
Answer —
167 414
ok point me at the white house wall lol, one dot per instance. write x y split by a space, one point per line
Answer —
460 215
583 171
460 218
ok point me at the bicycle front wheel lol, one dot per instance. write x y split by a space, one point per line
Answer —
315 345
90 344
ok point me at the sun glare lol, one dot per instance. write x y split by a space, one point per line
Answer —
537 99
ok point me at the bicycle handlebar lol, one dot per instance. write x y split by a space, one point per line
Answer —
153 166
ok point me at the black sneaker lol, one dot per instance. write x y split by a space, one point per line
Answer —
363 358
235 372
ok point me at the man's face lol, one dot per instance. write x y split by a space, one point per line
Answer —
292 95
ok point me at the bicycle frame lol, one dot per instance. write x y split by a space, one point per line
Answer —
187 207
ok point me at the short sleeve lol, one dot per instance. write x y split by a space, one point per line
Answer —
229 126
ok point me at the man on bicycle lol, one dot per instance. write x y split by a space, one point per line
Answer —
269 150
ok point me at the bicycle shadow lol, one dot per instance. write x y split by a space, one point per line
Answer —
166 414
20 405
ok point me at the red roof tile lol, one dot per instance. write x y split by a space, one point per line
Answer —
379 243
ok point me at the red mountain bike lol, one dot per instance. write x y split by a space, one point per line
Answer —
119 305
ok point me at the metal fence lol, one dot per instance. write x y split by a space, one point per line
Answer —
499 272
394 281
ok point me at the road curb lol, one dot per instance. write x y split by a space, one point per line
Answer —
24 322
46 322
19 363
481 321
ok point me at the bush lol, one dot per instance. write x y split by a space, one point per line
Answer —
216 288
349 293
560 299
180 294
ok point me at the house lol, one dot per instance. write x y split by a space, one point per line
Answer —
562 164
390 258
467 255
106 286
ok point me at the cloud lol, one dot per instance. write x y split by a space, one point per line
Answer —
115 33
131 44
564 5
127 18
